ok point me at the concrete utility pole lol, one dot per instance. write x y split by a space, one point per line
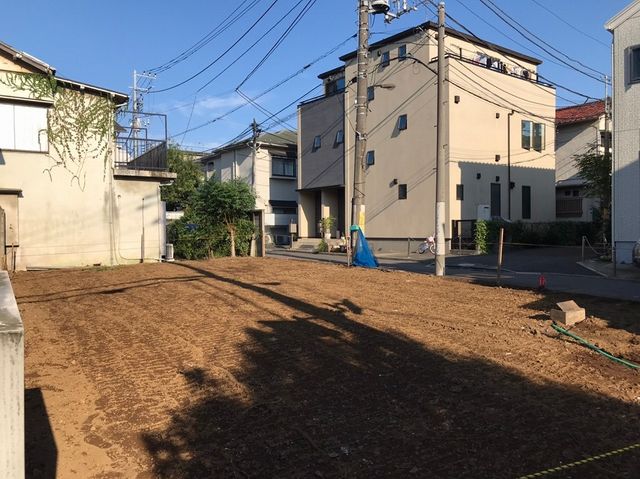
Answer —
441 176
255 133
358 206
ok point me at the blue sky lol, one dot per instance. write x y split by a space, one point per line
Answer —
103 42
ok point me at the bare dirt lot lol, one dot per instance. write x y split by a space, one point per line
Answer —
283 368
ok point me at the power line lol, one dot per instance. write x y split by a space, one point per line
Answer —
274 86
501 14
282 38
260 18
214 33
493 46
239 57
570 24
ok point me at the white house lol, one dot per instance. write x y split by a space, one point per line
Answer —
271 171
625 28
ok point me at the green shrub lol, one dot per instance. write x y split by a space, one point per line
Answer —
323 247
481 236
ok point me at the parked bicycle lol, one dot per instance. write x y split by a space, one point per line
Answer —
429 245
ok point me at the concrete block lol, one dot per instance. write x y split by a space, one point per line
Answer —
11 384
569 313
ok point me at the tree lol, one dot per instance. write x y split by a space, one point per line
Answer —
595 169
190 177
229 203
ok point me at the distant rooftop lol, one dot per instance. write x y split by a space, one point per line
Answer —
282 138
577 114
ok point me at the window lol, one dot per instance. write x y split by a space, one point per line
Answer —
371 93
317 142
23 127
496 200
402 53
526 134
371 158
283 166
538 136
210 170
526 202
576 193
283 210
334 86
634 71
384 61
402 192
339 137
459 192
402 122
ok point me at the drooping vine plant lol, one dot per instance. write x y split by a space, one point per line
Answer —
80 126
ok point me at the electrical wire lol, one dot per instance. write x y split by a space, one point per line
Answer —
570 24
233 45
274 86
212 35
493 46
282 38
509 20
247 50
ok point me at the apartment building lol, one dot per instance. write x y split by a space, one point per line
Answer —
500 139
625 28
271 172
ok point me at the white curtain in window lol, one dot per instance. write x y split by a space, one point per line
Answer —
7 134
30 128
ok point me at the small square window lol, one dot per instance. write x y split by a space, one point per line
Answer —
634 71
371 158
339 137
576 192
371 93
402 192
317 142
384 61
402 122
567 192
460 192
402 53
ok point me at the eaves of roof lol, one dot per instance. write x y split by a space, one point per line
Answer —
448 31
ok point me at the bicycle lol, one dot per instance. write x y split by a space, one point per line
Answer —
429 245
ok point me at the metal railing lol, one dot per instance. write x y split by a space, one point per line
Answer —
141 154
569 207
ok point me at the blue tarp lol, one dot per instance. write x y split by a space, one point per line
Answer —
363 256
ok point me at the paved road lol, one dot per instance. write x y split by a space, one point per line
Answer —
585 282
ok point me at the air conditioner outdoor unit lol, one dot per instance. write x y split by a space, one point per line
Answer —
169 254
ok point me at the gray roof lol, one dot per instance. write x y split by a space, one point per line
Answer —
287 139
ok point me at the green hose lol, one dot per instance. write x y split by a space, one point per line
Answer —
593 347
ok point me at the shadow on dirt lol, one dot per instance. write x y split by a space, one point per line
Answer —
321 395
40 446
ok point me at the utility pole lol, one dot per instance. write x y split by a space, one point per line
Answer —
440 159
136 107
255 133
358 205
606 143
509 115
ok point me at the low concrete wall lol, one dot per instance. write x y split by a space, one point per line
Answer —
11 384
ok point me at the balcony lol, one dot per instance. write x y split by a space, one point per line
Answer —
569 207
141 154
141 147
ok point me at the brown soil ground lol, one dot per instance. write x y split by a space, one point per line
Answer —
282 368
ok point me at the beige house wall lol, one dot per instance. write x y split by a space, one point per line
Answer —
93 219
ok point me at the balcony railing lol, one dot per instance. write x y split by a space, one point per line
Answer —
141 154
569 207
